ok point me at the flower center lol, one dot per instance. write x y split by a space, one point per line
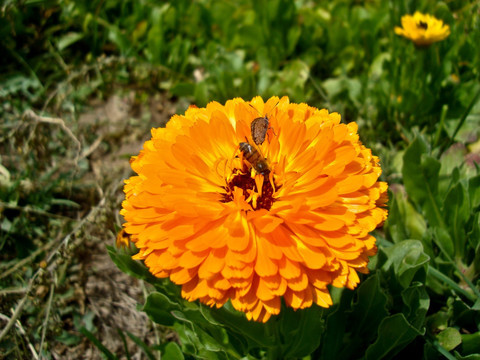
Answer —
422 25
258 198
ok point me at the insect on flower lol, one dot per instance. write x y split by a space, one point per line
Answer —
259 128
422 25
422 29
123 239
253 156
263 236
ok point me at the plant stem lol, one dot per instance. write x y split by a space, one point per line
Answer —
462 120
443 278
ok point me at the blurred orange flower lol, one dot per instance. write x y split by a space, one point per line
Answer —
422 29
203 212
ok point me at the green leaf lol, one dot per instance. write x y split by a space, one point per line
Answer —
449 338
118 37
183 89
474 192
405 259
301 331
444 241
471 343
172 351
468 357
159 308
293 35
417 304
139 31
254 332
394 333
420 176
129 266
337 86
437 322
198 341
369 309
359 329
457 212
199 315
293 78
68 39
336 327
404 222
66 202
201 93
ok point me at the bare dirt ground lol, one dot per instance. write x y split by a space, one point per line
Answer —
111 295
89 290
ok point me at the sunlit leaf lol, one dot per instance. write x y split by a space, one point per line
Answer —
449 338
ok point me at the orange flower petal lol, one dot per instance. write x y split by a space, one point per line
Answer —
200 213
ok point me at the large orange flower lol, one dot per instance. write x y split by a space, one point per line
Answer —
203 212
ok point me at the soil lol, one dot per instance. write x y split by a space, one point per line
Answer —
111 295
94 293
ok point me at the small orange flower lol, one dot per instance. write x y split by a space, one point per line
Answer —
422 29
204 213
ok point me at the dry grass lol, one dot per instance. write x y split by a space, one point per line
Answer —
69 280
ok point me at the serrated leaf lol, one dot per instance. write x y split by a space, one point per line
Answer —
201 317
405 259
159 308
394 333
417 302
200 341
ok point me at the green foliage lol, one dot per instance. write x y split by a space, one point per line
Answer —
419 108
441 211
386 314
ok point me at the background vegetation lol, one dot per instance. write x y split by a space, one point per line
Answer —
83 82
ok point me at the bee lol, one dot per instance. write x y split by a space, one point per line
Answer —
422 25
123 239
253 156
259 128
